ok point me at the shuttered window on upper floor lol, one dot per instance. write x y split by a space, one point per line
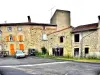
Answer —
10 38
20 38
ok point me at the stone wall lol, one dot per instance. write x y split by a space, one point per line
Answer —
26 36
36 36
54 41
87 39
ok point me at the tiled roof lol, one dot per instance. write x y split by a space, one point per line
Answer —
26 23
85 27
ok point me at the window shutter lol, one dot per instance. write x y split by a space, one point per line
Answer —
20 38
14 38
7 38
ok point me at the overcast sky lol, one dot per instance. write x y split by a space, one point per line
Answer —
82 11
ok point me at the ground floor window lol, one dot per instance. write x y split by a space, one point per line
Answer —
86 50
76 51
57 51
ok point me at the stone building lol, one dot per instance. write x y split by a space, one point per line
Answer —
22 36
85 40
58 37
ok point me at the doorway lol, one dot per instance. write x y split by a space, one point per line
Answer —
57 51
12 50
76 52
21 46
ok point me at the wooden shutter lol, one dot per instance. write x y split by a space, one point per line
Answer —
7 38
20 38
14 38
21 46
12 49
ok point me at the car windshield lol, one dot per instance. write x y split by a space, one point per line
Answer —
19 52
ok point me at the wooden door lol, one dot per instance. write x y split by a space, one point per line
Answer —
12 51
21 46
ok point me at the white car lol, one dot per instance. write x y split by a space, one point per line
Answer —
20 53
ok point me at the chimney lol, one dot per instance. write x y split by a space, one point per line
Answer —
29 19
99 17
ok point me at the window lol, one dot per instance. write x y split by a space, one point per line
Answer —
86 50
61 39
10 37
44 37
9 28
19 28
76 38
20 38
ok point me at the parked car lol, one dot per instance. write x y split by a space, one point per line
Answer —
19 54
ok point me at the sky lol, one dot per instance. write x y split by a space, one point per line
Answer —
40 11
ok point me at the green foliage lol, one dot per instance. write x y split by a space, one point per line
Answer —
44 50
38 53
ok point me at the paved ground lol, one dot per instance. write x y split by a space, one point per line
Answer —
41 66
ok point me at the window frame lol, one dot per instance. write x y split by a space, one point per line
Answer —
44 38
19 29
20 38
61 38
85 50
78 37
9 28
11 37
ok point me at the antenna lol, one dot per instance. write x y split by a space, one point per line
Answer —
51 10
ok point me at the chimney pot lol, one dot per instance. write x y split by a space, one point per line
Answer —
29 19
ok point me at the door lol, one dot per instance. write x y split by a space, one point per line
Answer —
12 51
21 46
76 52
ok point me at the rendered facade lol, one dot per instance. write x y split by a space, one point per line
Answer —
58 37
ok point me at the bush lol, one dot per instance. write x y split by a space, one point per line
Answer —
44 50
38 53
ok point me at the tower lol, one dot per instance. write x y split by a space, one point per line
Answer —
61 18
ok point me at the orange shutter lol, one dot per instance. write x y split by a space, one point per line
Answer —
20 38
12 49
7 38
21 46
14 38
